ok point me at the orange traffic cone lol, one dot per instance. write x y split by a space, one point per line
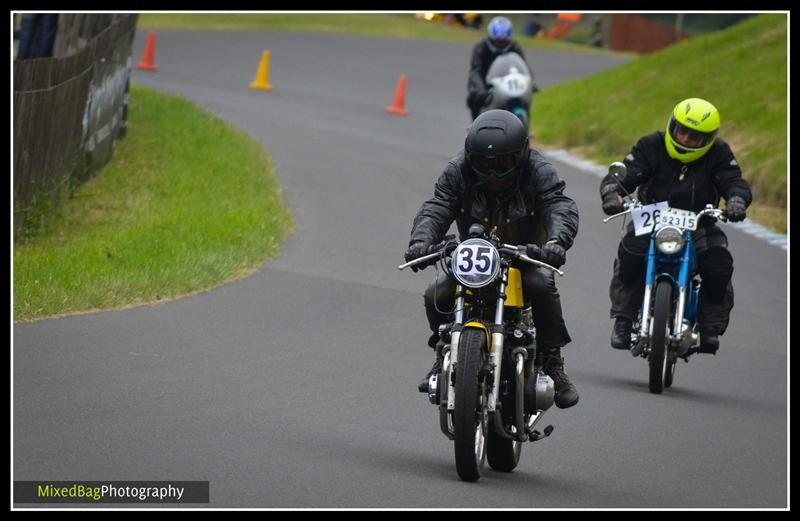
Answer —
398 106
262 76
148 60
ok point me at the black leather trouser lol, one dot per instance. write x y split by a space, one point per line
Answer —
538 288
714 263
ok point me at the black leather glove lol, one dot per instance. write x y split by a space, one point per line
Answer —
736 209
553 254
612 202
534 251
415 251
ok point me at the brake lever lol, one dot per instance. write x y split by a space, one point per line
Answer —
419 260
443 249
540 264
517 254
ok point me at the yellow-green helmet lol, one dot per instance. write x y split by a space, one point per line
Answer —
696 120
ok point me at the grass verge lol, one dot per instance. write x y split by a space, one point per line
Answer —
186 204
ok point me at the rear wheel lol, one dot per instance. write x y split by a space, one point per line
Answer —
445 418
658 339
502 453
669 373
470 418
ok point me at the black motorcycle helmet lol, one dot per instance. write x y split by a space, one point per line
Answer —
496 147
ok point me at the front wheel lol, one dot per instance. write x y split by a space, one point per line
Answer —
658 340
470 417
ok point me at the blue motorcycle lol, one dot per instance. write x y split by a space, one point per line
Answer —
666 328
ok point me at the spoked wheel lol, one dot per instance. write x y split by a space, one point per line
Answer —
658 340
470 417
502 453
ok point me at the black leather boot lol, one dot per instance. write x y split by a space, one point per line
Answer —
433 342
709 343
437 368
621 334
566 394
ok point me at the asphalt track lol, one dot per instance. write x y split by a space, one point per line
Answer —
296 387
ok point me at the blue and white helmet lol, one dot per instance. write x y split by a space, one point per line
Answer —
500 32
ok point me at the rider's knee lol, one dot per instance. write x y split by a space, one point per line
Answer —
539 286
440 294
716 266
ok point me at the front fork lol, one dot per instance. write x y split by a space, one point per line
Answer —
644 325
682 331
498 339
452 354
684 336
495 362
495 354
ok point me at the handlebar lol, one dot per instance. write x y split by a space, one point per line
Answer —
449 244
419 260
629 205
717 213
616 215
434 250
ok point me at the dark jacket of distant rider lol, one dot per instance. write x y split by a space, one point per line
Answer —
483 54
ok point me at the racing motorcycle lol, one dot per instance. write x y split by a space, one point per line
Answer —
666 328
511 86
492 391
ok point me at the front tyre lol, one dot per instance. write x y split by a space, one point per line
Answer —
658 340
470 418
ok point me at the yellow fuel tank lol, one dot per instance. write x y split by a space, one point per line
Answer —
514 289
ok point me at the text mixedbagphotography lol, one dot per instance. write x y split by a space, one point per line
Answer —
111 491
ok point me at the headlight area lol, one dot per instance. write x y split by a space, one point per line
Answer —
669 240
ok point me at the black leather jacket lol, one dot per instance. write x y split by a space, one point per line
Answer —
690 186
535 210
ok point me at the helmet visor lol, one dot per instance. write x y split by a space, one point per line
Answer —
688 138
500 43
499 166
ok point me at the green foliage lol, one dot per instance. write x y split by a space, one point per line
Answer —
741 70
